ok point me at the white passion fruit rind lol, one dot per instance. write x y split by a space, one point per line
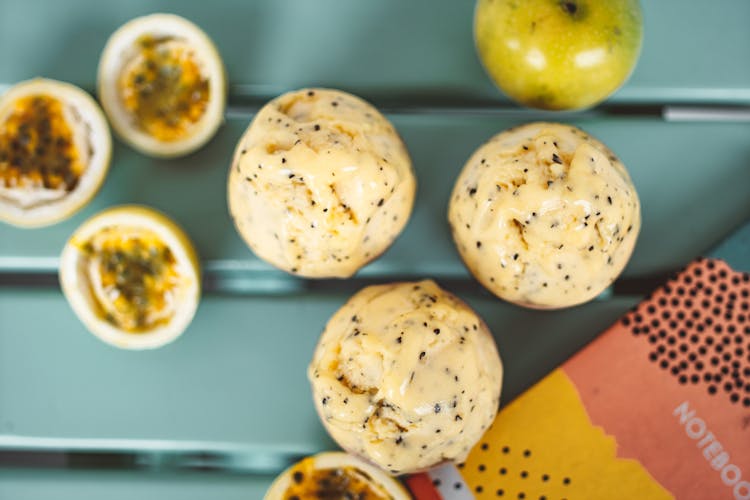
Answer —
162 84
55 149
131 276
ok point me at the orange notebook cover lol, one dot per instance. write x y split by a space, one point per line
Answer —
656 407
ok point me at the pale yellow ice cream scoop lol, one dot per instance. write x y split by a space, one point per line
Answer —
407 376
544 215
320 184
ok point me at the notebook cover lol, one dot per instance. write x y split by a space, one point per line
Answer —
658 406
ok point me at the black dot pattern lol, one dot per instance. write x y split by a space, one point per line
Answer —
516 476
698 326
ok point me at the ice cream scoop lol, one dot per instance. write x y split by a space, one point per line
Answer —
544 215
406 375
320 184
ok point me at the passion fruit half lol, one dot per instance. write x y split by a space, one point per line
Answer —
335 475
55 148
131 276
162 84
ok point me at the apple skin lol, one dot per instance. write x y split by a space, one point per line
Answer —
558 55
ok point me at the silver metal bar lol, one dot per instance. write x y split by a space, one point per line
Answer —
739 114
151 455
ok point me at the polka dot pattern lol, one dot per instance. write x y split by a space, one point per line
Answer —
698 326
515 464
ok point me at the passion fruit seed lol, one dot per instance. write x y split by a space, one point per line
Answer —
165 90
36 146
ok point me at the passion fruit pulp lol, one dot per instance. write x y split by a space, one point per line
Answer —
164 89
36 146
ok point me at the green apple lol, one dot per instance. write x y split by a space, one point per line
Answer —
553 54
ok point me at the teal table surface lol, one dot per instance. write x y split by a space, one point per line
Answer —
423 49
221 411
114 485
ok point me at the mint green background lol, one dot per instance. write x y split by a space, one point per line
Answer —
236 380
692 50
